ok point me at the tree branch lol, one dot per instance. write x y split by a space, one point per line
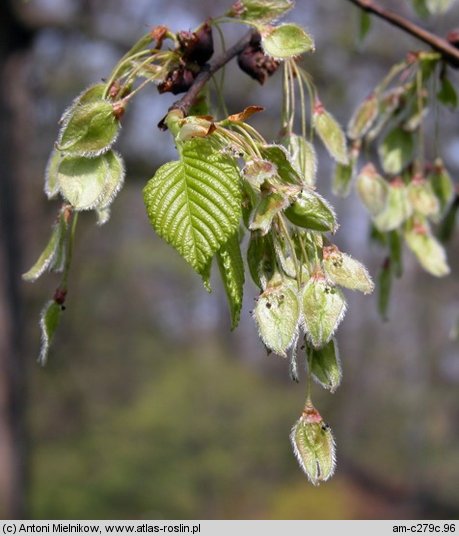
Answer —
449 52
184 104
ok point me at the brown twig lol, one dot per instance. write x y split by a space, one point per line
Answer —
184 104
448 51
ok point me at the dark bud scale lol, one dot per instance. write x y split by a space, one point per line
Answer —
197 47
253 61
177 81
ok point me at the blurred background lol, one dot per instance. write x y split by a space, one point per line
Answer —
149 406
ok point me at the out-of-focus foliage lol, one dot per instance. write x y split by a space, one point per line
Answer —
149 407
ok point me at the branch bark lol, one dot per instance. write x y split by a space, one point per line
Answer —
184 104
449 52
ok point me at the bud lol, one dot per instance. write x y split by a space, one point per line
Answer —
398 208
194 127
429 252
177 81
277 315
89 129
313 445
323 307
372 189
363 117
422 196
197 46
312 211
246 113
286 41
326 366
330 133
257 171
345 271
268 207
254 62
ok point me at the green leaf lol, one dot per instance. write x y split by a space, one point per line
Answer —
93 93
326 366
231 267
314 446
53 255
260 259
195 203
286 41
421 8
345 271
447 94
281 159
442 185
396 151
384 288
89 129
330 133
303 157
448 224
363 118
312 211
49 320
365 23
428 250
277 315
51 174
323 307
261 11
396 252
89 183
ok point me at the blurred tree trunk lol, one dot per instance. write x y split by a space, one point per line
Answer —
14 38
